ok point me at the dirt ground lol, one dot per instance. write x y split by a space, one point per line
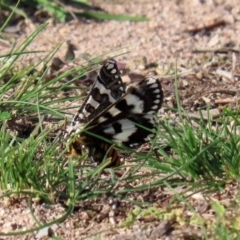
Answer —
199 38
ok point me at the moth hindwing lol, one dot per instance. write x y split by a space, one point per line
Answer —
118 116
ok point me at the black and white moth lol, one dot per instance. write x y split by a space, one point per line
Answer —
117 115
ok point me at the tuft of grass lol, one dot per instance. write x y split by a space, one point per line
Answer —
62 11
201 150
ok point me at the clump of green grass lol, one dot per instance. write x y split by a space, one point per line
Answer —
203 149
62 11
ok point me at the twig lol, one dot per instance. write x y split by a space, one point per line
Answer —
207 27
225 91
217 50
234 62
224 101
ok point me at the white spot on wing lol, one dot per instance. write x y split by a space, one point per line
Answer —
154 86
134 144
92 102
151 135
150 112
102 119
154 107
109 130
114 111
114 71
151 80
151 118
110 66
103 90
136 102
128 128
156 91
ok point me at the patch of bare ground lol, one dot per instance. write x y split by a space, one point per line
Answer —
198 38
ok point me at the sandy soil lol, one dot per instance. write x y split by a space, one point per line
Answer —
185 33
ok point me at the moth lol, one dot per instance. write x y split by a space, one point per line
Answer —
112 114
